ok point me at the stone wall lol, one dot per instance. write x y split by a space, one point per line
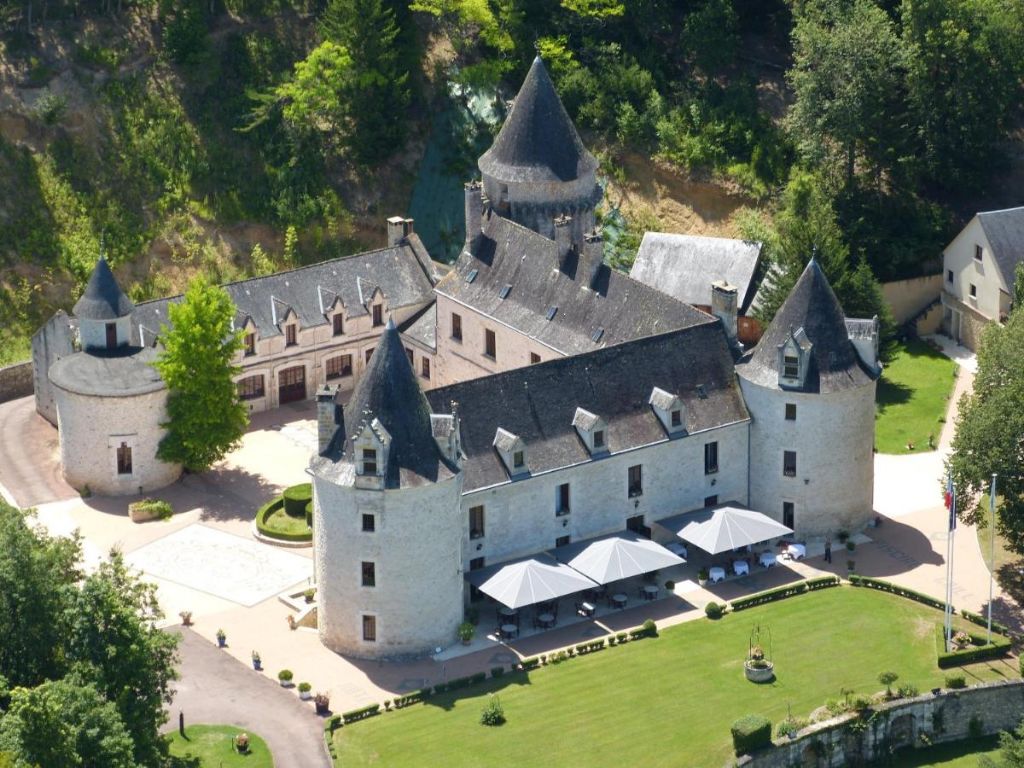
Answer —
15 381
930 718
908 297
54 340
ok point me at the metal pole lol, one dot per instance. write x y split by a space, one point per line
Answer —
946 614
992 553
949 630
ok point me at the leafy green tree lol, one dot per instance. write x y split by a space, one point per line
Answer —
314 98
990 432
377 80
64 723
1011 751
205 419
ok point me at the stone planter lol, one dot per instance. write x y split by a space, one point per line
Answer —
763 674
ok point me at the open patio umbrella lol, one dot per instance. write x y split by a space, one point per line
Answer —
724 528
537 579
615 557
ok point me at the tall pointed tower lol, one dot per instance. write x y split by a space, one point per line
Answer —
809 385
538 169
387 520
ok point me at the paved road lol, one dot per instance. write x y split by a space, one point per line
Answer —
215 688
29 456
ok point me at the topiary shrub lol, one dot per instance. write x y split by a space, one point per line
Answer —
492 713
956 681
309 513
713 610
296 498
750 733
649 627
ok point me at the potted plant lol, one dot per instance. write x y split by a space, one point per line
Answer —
961 640
186 618
322 701
222 638
466 632
304 691
284 677
257 662
703 576
242 743
309 594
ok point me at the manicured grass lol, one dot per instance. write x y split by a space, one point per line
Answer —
669 701
960 754
212 746
281 522
913 395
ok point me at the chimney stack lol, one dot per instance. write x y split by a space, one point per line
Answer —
474 214
593 256
396 230
563 238
724 307
327 412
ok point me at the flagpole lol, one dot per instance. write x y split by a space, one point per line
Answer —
992 553
952 547
951 506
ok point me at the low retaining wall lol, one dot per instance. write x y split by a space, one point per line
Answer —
908 297
15 381
927 719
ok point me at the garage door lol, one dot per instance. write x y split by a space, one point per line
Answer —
291 385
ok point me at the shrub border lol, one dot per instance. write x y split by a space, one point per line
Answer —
780 593
980 650
261 523
896 589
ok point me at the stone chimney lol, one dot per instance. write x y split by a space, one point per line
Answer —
592 257
474 214
724 307
563 238
327 412
399 228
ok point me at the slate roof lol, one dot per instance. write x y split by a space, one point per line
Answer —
1005 233
684 266
310 291
422 326
103 298
538 402
812 306
120 372
538 142
388 391
620 309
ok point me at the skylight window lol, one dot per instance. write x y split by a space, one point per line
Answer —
596 335
471 276
551 312
503 293
701 392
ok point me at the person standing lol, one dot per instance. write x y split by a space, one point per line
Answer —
828 549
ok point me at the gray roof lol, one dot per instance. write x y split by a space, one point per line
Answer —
422 326
1005 233
684 266
120 372
310 291
620 309
538 142
388 392
812 306
538 402
103 298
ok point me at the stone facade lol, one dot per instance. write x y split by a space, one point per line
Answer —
937 719
15 381
56 339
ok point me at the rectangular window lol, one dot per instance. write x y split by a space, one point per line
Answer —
791 367
710 458
789 463
369 523
476 522
562 500
710 501
534 358
456 327
369 574
636 481
787 514
250 387
677 418
124 459
250 344
339 366
290 335
425 367
978 253
598 438
412 357
518 460
476 564
370 629
974 291
490 344
378 315
369 354
790 411
338 324
949 276
563 541
369 461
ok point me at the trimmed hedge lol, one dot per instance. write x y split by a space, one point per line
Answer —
982 621
309 513
411 698
979 650
750 733
531 663
460 682
593 645
780 593
261 523
896 589
296 497
360 714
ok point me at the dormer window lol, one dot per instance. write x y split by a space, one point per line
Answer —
370 454
378 315
794 359
291 335
512 451
677 418
337 324
250 344
518 460
791 367
369 459
599 438
669 409
592 430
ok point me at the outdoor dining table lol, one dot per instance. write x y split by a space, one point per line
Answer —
650 591
796 551
586 609
509 630
546 620
740 567
716 573
767 559
619 600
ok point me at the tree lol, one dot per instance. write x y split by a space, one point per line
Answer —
314 98
377 79
990 432
887 679
1011 751
205 419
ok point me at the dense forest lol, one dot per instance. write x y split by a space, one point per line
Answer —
236 137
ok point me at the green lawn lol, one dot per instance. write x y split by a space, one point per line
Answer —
961 754
669 701
912 398
281 522
212 746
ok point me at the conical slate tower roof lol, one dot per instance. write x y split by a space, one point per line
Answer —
389 393
538 142
812 306
103 298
